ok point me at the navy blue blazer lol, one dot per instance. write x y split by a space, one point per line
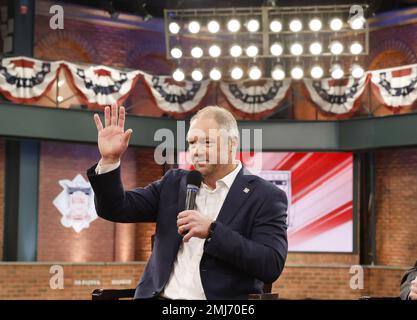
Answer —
248 248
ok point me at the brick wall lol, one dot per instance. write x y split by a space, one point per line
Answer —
396 207
109 45
325 259
31 281
147 172
57 243
324 282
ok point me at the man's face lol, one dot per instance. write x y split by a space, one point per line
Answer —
209 145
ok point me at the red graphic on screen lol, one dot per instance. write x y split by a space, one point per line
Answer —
321 197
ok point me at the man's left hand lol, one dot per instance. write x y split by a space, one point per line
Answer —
192 223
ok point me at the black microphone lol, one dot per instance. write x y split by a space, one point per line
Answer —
194 179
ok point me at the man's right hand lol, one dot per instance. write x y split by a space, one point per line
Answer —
112 139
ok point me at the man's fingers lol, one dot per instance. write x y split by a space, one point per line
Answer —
107 116
183 221
182 229
97 120
127 135
188 236
122 117
114 115
185 213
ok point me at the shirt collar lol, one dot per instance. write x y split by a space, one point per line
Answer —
230 177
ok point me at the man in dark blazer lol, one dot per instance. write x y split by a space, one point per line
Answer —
235 240
409 284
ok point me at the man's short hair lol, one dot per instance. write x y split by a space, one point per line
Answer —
223 117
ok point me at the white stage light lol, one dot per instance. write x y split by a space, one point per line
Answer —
174 27
357 71
356 48
252 51
255 73
276 49
336 47
296 25
275 26
197 75
194 27
336 71
196 52
215 51
215 74
316 48
315 24
278 73
236 73
213 26
252 25
297 72
236 51
296 49
336 24
357 23
316 72
233 25
178 75
176 53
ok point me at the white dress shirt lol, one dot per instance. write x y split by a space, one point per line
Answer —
185 280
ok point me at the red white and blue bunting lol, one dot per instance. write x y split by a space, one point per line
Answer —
101 85
336 96
26 80
176 97
255 97
395 87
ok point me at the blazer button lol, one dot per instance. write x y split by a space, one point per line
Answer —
155 293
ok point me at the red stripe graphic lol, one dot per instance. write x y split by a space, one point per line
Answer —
290 161
321 180
331 220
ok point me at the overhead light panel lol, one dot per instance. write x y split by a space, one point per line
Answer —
178 75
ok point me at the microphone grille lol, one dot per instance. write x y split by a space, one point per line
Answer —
194 177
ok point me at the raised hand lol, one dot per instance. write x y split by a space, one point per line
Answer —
112 139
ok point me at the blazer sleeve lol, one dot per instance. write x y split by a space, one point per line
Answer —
264 254
115 204
409 276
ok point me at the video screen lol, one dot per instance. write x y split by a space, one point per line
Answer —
319 187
